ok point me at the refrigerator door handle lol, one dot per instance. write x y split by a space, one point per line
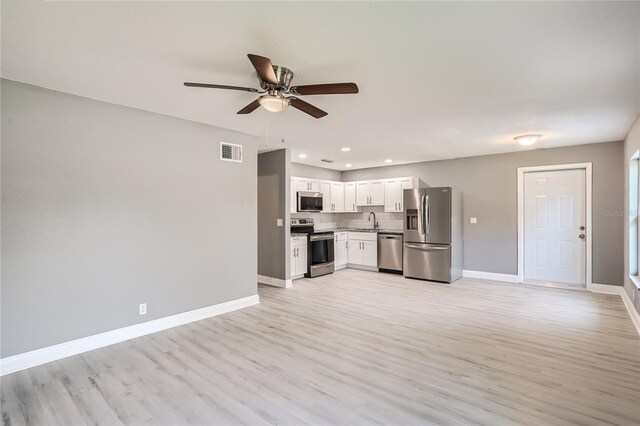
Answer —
423 248
422 204
428 213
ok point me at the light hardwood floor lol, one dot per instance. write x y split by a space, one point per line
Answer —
359 347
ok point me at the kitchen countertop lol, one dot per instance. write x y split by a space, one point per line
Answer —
376 231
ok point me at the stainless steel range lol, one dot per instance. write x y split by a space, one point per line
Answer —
320 250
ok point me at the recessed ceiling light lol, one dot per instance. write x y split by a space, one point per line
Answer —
302 155
346 149
527 139
388 160
348 165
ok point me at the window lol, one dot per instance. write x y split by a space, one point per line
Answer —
633 213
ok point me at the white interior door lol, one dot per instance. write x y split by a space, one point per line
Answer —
554 226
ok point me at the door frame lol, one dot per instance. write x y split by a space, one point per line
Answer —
587 167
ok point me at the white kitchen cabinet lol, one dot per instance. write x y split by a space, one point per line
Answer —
332 196
340 250
337 196
298 256
370 192
350 204
325 188
306 184
362 248
393 191
370 253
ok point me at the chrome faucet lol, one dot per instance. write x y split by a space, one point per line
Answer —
375 222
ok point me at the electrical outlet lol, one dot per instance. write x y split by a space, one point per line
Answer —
143 309
473 220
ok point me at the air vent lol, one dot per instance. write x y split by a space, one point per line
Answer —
327 161
230 152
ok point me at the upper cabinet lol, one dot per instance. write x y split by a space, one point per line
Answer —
337 196
370 192
350 203
305 184
393 190
332 196
346 197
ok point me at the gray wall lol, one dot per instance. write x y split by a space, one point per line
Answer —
631 145
273 204
304 170
105 207
489 187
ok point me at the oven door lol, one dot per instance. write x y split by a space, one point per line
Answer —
321 255
309 201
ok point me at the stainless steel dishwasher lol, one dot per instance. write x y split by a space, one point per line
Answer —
389 252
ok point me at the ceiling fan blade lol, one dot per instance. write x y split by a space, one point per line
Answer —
264 68
325 89
220 86
250 108
307 107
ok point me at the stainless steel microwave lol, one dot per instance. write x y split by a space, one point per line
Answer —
309 201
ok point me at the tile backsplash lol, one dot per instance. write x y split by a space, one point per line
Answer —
391 221
326 221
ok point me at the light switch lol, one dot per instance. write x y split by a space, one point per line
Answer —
473 220
278 222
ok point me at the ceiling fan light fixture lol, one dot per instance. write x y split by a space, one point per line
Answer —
527 139
273 103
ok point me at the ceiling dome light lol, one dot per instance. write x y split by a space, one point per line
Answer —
302 155
527 139
345 149
273 103
388 160
348 165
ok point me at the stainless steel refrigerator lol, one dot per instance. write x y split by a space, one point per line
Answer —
432 234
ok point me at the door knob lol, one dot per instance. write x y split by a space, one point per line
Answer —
582 228
581 236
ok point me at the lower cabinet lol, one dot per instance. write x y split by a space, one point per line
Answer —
298 256
363 249
340 252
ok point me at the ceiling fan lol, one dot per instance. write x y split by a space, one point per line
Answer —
276 83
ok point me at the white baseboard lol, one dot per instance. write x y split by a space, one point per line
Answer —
52 353
490 276
619 290
276 282
605 288
338 267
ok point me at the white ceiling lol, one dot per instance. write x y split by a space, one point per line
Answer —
437 80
